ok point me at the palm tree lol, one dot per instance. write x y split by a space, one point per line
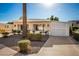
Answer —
24 20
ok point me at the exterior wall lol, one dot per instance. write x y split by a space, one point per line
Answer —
2 26
54 28
74 23
59 29
6 27
40 25
17 24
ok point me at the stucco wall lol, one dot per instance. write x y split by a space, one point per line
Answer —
31 23
59 29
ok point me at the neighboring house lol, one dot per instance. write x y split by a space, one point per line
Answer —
2 27
6 27
74 23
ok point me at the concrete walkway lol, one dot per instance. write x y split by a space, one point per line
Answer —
6 51
59 46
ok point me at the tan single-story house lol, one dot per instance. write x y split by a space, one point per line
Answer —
33 24
54 28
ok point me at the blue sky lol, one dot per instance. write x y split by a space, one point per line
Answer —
10 12
65 12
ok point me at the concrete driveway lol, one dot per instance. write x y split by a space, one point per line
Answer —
60 46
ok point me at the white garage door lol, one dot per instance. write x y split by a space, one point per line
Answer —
59 29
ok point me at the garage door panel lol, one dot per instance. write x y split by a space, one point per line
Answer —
59 32
59 29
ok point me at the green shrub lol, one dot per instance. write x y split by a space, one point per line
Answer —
2 30
5 34
23 45
14 31
76 36
74 28
38 37
18 31
29 35
34 37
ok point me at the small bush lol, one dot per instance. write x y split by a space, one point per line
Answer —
2 30
29 35
5 34
36 37
14 31
74 28
23 45
76 36
18 31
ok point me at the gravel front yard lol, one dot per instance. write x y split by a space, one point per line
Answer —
11 42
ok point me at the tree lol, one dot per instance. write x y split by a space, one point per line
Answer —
10 23
48 18
52 18
24 21
56 19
